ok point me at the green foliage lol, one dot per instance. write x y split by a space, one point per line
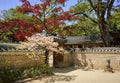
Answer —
16 15
7 16
7 36
102 11
10 75
82 8
13 14
115 23
85 26
15 74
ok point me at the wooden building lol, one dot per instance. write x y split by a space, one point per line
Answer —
83 42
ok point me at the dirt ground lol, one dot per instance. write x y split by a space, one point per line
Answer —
73 75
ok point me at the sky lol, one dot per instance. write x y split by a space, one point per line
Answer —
7 4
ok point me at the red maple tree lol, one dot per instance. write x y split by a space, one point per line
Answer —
47 15
19 27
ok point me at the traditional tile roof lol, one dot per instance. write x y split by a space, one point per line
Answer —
7 46
83 39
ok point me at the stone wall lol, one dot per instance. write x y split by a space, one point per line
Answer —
20 59
96 58
87 58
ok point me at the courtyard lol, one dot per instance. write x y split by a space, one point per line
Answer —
73 75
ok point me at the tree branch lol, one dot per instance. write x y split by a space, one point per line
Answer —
87 17
94 8
104 8
110 5
90 18
98 8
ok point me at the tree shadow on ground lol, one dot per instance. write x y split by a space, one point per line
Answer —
55 77
62 78
62 75
63 70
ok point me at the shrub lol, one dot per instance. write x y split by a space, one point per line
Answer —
12 75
